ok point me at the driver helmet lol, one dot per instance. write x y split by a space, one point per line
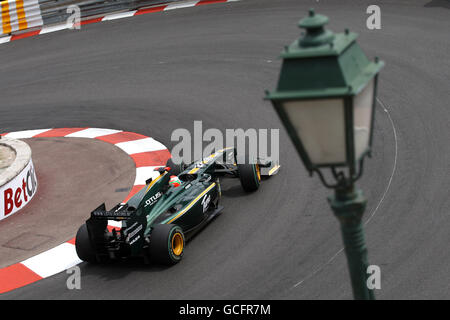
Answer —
174 181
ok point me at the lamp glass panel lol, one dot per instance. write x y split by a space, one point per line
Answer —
362 119
320 125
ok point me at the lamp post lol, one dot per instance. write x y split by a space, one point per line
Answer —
326 98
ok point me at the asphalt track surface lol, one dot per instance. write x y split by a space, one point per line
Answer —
155 73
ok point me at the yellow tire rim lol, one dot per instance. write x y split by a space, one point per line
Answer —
258 172
177 244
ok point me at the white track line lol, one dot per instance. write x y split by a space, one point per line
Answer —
5 39
53 261
142 145
186 4
92 133
395 161
120 15
25 134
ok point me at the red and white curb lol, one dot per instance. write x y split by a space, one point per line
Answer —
113 16
147 155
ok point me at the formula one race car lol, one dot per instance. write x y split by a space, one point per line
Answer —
158 219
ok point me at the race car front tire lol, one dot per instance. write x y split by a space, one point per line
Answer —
250 176
166 244
83 245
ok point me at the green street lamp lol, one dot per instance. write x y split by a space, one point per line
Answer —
326 98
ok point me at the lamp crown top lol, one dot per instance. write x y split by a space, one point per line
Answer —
313 20
316 34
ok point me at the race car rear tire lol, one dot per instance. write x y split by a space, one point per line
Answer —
166 244
83 245
175 169
250 176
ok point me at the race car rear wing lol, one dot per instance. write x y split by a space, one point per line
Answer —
119 212
129 235
98 221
